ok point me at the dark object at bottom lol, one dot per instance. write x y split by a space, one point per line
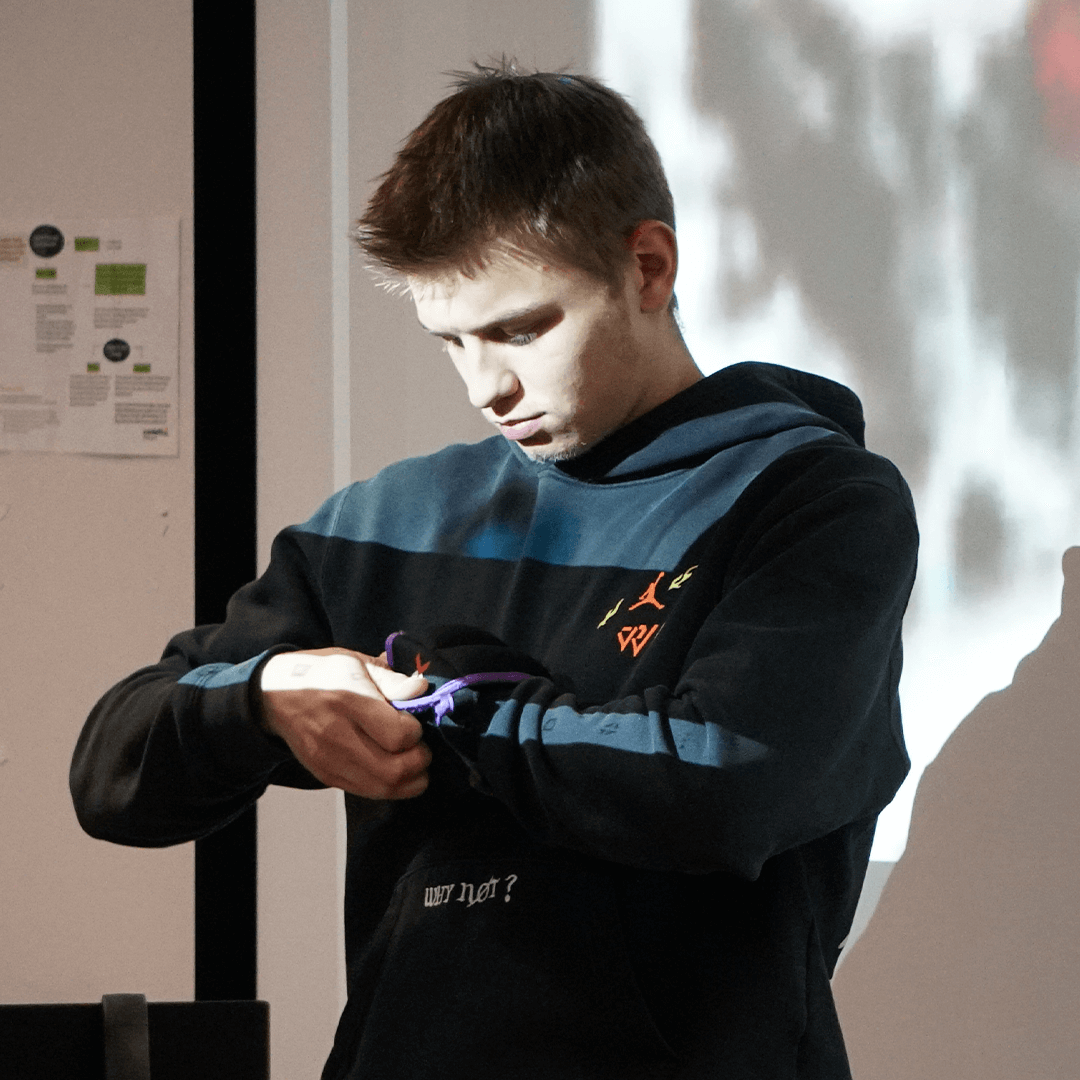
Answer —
189 1040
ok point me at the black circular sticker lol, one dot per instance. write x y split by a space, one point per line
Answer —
116 350
46 241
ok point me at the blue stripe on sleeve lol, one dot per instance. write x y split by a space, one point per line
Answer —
635 733
219 676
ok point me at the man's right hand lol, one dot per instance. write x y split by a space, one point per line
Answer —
335 717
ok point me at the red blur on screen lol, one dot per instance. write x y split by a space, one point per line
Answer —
1054 34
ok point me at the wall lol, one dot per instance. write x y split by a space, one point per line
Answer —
95 552
300 947
970 968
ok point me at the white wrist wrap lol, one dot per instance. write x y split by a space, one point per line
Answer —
305 671
337 671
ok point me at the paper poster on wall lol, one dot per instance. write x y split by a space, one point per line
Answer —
90 336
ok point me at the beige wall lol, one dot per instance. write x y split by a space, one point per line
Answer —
95 553
300 946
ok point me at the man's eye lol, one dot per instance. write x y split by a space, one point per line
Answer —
522 339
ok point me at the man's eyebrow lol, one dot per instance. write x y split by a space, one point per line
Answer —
537 311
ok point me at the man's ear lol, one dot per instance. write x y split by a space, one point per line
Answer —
656 260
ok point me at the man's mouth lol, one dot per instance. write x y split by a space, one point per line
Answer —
516 430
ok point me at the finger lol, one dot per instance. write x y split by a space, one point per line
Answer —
328 738
362 767
390 729
395 776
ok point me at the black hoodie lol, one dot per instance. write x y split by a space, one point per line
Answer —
643 863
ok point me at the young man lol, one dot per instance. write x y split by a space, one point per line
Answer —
643 648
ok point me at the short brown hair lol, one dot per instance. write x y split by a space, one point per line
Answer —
557 165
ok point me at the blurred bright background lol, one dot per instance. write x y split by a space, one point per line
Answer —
888 194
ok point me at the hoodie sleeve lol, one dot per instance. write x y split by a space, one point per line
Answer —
783 726
176 750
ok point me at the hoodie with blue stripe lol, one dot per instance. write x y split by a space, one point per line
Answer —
644 863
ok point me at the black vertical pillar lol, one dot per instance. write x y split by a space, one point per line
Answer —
225 554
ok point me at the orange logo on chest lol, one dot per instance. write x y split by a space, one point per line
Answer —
649 596
636 637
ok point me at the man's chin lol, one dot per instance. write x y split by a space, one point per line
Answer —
545 448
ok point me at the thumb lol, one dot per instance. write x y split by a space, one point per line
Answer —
393 685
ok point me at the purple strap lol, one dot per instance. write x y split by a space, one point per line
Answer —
442 700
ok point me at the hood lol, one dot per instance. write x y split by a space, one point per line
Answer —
734 405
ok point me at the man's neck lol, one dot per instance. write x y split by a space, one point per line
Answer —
675 369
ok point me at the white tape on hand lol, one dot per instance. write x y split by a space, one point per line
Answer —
305 671
337 671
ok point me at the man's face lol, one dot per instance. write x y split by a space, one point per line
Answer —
551 356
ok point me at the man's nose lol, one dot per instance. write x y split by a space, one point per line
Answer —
488 378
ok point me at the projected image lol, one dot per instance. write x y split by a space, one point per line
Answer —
889 195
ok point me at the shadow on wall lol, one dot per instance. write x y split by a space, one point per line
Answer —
970 967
